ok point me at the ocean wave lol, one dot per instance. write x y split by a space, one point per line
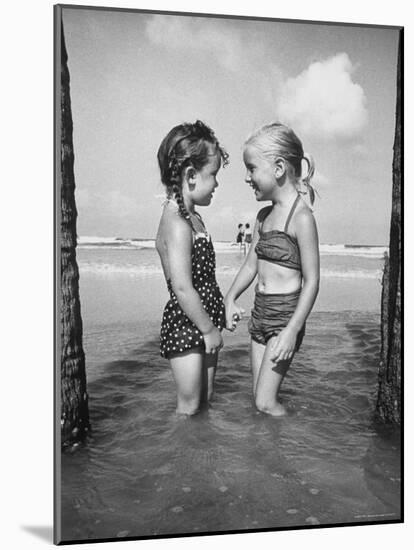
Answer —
363 251
352 274
114 243
107 269
111 246
118 243
118 269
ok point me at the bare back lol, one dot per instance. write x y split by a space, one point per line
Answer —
170 222
169 217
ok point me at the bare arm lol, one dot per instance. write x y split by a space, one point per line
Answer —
307 237
179 246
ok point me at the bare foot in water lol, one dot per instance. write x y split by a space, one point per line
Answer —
276 409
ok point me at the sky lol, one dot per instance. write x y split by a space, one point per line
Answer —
135 75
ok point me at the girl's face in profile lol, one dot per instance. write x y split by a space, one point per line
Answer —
206 180
260 173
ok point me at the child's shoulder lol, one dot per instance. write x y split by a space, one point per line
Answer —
305 212
304 218
173 224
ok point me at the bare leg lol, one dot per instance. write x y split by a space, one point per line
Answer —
270 378
209 373
256 357
187 370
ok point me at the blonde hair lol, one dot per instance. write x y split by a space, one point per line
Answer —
277 140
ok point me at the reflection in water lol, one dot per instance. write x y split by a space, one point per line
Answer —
145 471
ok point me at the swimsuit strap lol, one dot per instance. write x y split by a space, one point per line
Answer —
200 219
261 222
198 233
291 213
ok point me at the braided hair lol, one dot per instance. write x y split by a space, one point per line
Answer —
276 139
186 145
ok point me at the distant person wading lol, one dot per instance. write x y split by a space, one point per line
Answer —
247 238
240 235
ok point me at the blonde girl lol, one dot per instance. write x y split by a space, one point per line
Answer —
284 255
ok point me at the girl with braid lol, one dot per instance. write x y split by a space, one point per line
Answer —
189 159
284 255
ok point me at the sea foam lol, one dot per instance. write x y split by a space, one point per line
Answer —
118 243
139 270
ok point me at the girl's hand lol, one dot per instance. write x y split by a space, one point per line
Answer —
213 340
233 314
284 345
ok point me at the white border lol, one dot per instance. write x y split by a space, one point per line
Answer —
27 230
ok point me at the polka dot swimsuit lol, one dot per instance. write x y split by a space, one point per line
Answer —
178 333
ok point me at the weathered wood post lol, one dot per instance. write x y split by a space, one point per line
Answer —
388 406
74 397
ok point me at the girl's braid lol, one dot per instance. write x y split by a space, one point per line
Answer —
174 169
176 190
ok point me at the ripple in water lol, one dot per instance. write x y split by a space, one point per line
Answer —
146 472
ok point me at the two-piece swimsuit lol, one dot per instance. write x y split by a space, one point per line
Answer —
178 332
272 312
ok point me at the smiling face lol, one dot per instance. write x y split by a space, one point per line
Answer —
260 173
205 180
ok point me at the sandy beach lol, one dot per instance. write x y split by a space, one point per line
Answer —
144 472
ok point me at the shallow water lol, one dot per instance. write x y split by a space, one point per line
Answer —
147 472
123 294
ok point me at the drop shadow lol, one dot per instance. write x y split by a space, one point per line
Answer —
43 532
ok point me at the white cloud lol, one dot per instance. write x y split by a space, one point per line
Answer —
198 35
323 100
